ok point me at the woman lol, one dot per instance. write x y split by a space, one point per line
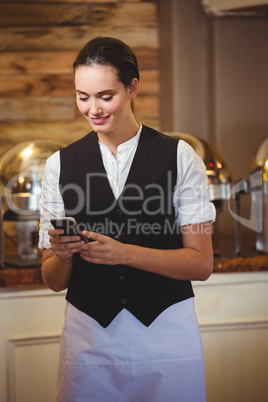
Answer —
130 331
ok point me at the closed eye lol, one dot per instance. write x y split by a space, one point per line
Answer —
107 98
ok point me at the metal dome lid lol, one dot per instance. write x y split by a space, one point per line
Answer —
21 173
218 172
260 160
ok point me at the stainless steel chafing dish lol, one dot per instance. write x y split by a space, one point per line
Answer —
21 172
218 172
220 186
254 185
258 190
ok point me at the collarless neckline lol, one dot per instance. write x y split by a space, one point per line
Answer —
125 145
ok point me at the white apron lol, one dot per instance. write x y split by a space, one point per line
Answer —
129 362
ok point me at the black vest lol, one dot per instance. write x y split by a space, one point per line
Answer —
143 215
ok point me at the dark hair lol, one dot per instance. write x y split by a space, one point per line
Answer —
112 52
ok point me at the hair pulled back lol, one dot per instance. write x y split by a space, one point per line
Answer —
107 51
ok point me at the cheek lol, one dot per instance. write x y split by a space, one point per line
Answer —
116 107
82 107
111 108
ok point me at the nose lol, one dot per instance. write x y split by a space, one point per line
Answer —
94 108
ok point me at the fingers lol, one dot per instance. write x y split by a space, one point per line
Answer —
57 236
64 246
95 236
102 250
55 232
67 249
98 245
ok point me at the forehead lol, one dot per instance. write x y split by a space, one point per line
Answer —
96 77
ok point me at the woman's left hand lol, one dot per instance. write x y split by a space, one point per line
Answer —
102 250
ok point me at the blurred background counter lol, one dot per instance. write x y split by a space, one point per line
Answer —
32 277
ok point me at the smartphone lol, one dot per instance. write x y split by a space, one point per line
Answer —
70 227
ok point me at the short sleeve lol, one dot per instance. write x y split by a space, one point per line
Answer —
191 197
51 203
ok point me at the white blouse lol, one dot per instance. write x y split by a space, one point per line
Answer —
190 196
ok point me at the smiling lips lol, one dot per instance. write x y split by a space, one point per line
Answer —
99 120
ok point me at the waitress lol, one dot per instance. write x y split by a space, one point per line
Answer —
130 331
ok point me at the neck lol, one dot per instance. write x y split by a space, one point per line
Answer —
113 139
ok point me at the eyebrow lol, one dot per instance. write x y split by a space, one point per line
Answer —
99 93
81 92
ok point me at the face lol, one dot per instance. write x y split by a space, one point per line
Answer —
102 99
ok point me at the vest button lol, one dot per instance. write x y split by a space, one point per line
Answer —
123 278
119 211
124 300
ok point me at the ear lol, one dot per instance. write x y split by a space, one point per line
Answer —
133 88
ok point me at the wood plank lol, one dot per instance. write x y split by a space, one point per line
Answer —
149 82
73 38
37 109
12 63
146 107
30 14
122 14
61 85
44 85
148 58
76 1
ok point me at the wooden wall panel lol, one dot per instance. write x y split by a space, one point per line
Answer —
39 40
37 109
76 1
146 106
124 14
72 38
60 62
149 83
31 14
21 63
59 85
41 85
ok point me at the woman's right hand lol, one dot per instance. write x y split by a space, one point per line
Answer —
64 246
57 262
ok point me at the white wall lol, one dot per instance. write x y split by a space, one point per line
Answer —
232 311
31 323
